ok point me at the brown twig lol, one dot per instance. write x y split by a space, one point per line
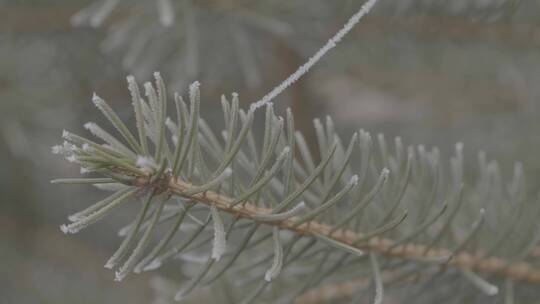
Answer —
347 289
519 271
39 18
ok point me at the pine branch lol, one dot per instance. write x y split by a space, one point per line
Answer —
365 208
409 251
392 209
347 289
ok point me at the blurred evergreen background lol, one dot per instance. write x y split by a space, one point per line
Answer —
432 71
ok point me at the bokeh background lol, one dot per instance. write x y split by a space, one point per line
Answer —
432 71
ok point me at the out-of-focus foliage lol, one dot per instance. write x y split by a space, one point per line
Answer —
217 42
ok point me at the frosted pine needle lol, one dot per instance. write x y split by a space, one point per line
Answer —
219 244
166 12
303 69
277 262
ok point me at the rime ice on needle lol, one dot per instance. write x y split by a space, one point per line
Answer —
303 69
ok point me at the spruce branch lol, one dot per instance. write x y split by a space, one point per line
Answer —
417 252
319 217
308 222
